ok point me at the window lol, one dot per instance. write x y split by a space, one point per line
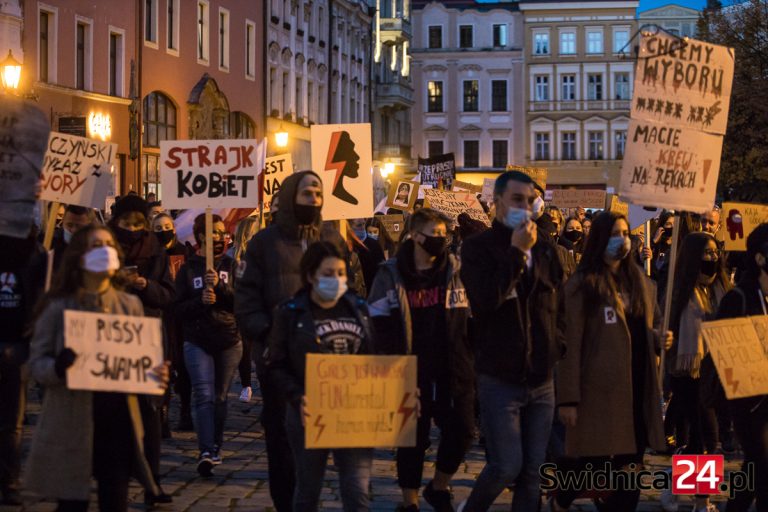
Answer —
159 119
241 126
542 88
250 49
470 96
202 32
568 87
223 39
465 36
542 146
43 42
594 87
435 147
621 143
499 36
435 37
471 153
299 96
622 85
435 96
567 43
150 21
116 64
595 145
569 146
500 154
499 95
287 95
172 26
594 41
83 56
541 43
150 174
620 41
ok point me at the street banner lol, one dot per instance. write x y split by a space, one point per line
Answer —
574 197
487 193
740 353
211 173
739 220
538 174
394 224
452 204
438 170
24 132
276 169
683 83
114 352
360 401
616 205
342 156
77 170
403 195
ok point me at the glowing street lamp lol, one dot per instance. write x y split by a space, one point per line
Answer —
281 137
10 71
387 169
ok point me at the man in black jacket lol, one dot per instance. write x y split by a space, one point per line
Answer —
512 281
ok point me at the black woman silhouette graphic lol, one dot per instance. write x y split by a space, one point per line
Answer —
343 159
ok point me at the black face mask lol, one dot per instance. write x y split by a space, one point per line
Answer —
128 237
165 237
667 234
709 268
434 245
306 214
573 236
219 247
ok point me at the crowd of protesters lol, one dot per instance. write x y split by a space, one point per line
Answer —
542 333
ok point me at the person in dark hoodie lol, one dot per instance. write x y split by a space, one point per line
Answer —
418 306
75 218
270 275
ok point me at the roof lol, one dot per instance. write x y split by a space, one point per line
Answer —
463 5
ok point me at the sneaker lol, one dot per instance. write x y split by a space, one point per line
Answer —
246 394
439 500
205 464
216 457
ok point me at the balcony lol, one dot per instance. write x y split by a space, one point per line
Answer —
395 30
579 105
396 96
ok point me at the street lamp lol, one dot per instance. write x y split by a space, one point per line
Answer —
387 169
10 71
281 137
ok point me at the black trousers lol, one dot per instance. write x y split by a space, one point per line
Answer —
698 422
245 368
752 432
150 417
12 404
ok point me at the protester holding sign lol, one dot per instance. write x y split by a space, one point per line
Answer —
419 306
323 317
82 433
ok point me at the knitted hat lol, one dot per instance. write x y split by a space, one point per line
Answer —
129 203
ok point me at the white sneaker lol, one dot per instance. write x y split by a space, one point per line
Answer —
246 394
668 501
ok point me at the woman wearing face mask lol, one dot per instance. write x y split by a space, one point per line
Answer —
573 238
80 433
323 317
376 231
610 366
165 231
212 346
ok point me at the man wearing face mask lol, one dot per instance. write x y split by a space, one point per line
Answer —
75 218
512 280
369 251
272 275
418 306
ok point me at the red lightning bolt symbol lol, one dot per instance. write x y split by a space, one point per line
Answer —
330 164
320 426
729 379
405 411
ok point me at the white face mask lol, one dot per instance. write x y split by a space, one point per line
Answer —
331 288
67 235
538 208
101 259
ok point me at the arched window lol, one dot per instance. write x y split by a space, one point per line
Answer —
241 126
159 119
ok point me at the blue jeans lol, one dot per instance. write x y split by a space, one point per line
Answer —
516 421
211 376
354 466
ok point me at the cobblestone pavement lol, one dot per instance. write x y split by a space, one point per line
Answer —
240 483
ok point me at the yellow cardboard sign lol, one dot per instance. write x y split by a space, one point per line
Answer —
739 220
538 174
616 205
360 401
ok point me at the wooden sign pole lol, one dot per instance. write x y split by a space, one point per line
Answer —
668 295
208 239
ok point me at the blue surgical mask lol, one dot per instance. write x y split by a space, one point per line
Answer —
373 237
67 236
361 234
618 247
331 288
515 217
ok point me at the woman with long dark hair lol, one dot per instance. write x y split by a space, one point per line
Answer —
81 433
573 238
607 391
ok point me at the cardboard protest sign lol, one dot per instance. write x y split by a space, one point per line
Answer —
403 195
487 193
739 220
452 204
616 205
465 186
575 197
114 352
437 171
683 83
276 169
394 224
24 132
741 358
211 173
360 401
537 174
342 156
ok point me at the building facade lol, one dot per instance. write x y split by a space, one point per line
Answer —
467 66
578 87
675 19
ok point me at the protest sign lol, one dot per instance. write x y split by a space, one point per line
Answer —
360 401
575 197
452 204
741 358
211 173
24 131
403 195
683 83
465 186
739 220
342 156
616 205
487 193
276 169
114 352
537 174
437 171
394 224
77 170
